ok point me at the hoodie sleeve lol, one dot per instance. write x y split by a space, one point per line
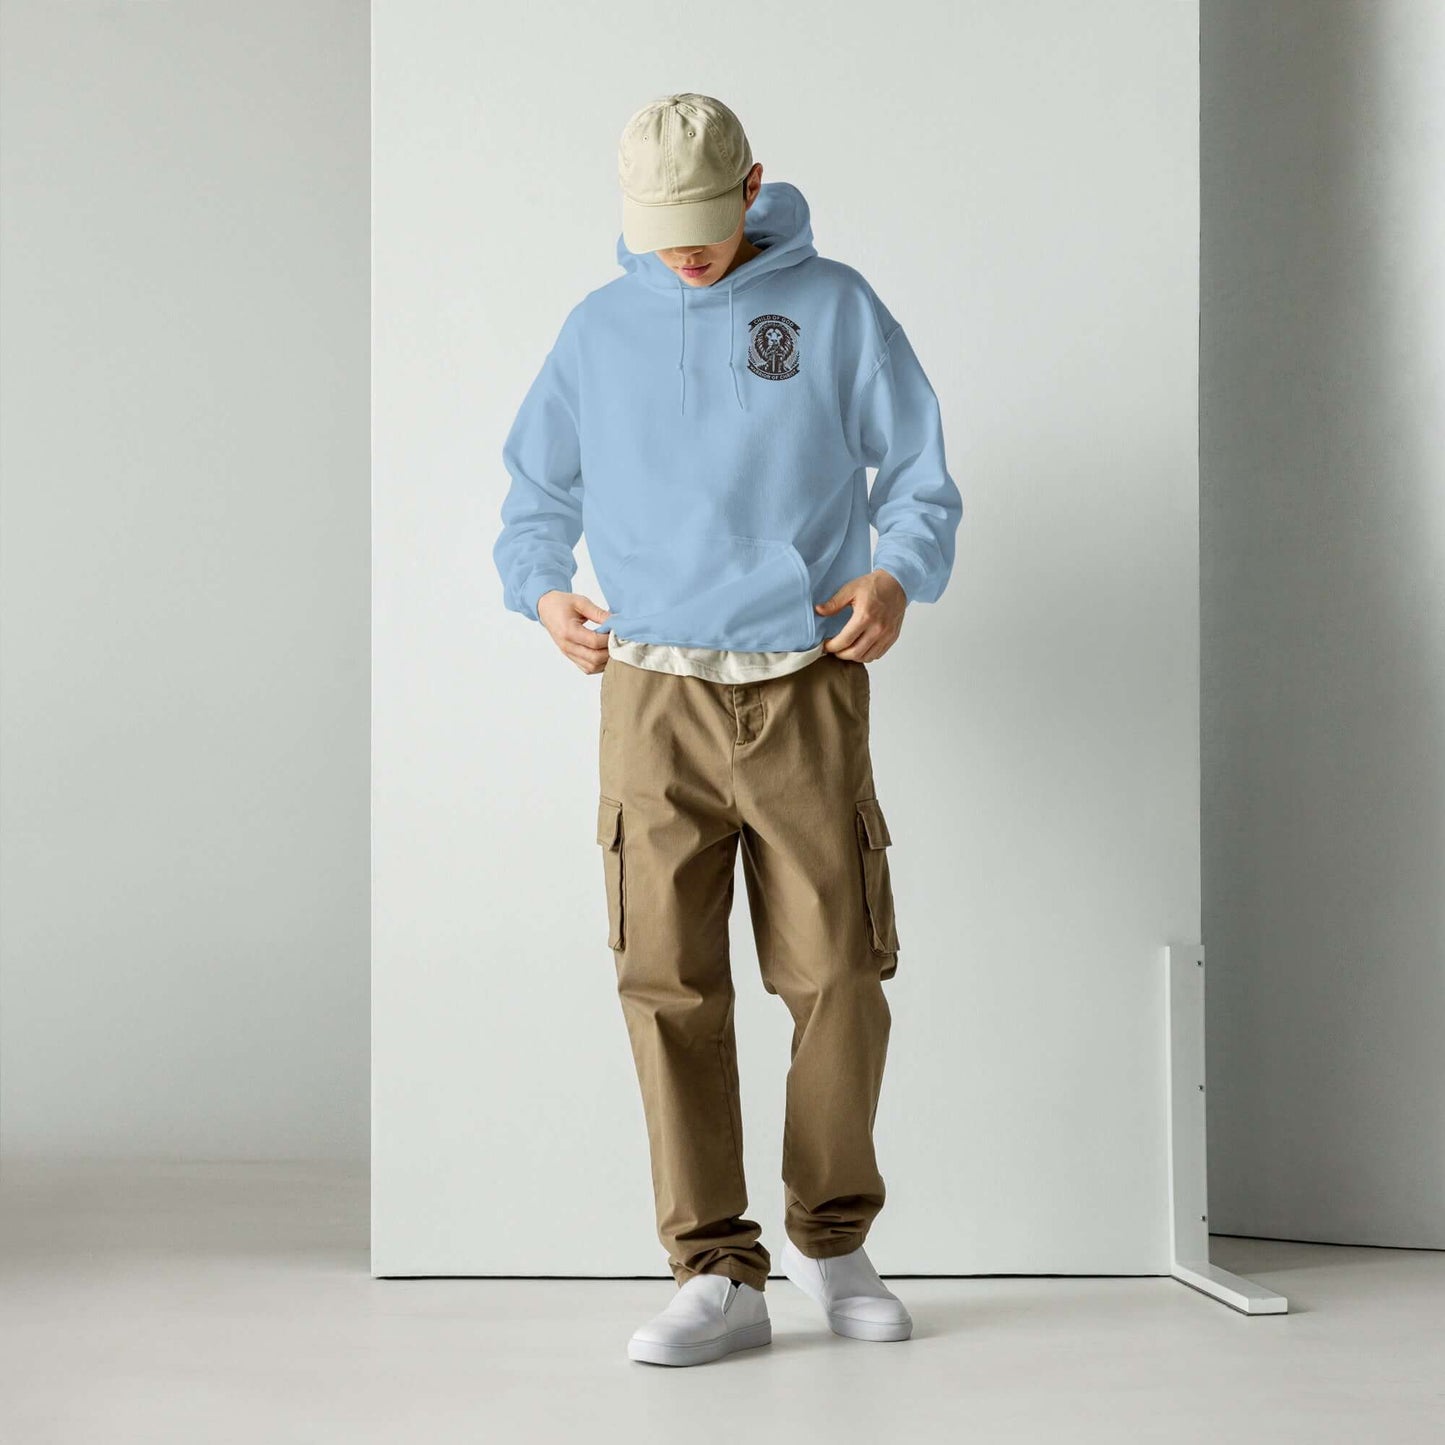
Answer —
542 512
913 502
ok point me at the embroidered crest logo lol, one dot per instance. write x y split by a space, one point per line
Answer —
773 350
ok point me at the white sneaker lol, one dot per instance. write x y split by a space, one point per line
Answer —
857 1303
710 1316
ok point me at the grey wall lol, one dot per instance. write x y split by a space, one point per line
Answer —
1323 535
183 594
183 776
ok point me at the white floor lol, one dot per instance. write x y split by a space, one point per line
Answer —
219 1303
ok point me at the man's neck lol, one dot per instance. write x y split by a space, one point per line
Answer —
745 253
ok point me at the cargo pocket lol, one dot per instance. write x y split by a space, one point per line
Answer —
609 835
873 841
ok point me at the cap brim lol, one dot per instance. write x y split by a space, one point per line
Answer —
689 223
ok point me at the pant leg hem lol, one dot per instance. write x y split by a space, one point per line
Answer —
731 1268
828 1249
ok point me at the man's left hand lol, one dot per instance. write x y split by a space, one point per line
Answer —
879 602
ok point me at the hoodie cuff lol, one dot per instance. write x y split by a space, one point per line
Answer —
537 585
907 571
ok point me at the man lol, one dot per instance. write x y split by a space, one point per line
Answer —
707 419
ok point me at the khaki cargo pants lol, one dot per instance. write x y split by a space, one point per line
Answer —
689 768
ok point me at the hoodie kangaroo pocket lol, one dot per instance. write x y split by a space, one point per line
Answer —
720 590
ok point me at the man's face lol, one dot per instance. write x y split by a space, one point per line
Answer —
702 265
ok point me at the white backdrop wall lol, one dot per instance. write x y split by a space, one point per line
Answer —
1323 455
1019 182
183 578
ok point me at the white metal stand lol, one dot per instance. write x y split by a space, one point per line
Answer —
1188 1161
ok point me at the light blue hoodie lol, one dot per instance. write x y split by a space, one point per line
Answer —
712 443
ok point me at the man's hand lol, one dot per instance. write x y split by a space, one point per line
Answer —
879 602
563 615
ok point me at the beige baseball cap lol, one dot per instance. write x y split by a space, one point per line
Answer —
682 161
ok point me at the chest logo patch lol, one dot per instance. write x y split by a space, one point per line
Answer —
773 351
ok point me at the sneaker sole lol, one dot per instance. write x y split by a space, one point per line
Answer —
868 1329
648 1352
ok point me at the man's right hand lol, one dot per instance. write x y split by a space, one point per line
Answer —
563 615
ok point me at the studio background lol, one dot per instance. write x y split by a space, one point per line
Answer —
184 609
1023 194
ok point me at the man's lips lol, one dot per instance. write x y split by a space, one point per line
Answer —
693 270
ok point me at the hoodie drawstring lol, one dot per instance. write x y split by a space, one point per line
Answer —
682 354
682 350
738 394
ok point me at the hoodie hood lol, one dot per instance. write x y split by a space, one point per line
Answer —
778 222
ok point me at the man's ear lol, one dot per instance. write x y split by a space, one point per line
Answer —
753 184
